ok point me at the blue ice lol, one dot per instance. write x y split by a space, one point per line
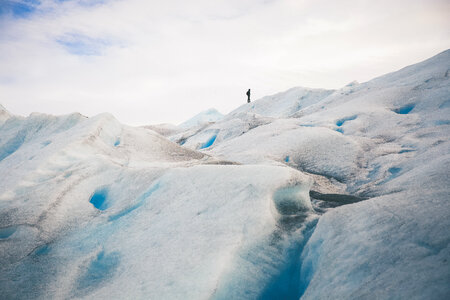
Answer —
139 203
99 199
311 256
373 172
406 151
289 284
101 268
442 122
6 232
404 110
394 171
372 175
445 104
286 159
46 143
42 250
117 143
13 144
343 120
209 142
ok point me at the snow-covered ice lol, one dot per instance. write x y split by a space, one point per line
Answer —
311 193
205 117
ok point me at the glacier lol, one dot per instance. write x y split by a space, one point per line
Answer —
306 194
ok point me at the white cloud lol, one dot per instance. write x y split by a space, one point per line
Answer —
155 61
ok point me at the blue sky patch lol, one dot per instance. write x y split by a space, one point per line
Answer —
79 44
84 2
18 8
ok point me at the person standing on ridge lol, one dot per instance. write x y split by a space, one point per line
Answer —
248 96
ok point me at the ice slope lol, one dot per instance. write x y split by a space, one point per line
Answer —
228 128
394 246
316 150
284 104
90 208
207 116
387 140
247 207
249 116
397 243
363 128
164 129
4 114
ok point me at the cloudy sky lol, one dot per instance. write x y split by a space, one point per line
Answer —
148 61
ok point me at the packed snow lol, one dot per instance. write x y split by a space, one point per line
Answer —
309 193
4 114
205 117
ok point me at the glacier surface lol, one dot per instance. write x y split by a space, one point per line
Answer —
309 193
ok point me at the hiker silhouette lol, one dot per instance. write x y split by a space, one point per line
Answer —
248 96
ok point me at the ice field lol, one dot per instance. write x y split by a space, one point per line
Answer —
309 193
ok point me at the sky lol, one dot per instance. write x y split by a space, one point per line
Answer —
149 62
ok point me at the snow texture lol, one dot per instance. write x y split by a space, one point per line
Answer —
4 114
309 193
207 116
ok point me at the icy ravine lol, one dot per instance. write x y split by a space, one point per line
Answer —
93 209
